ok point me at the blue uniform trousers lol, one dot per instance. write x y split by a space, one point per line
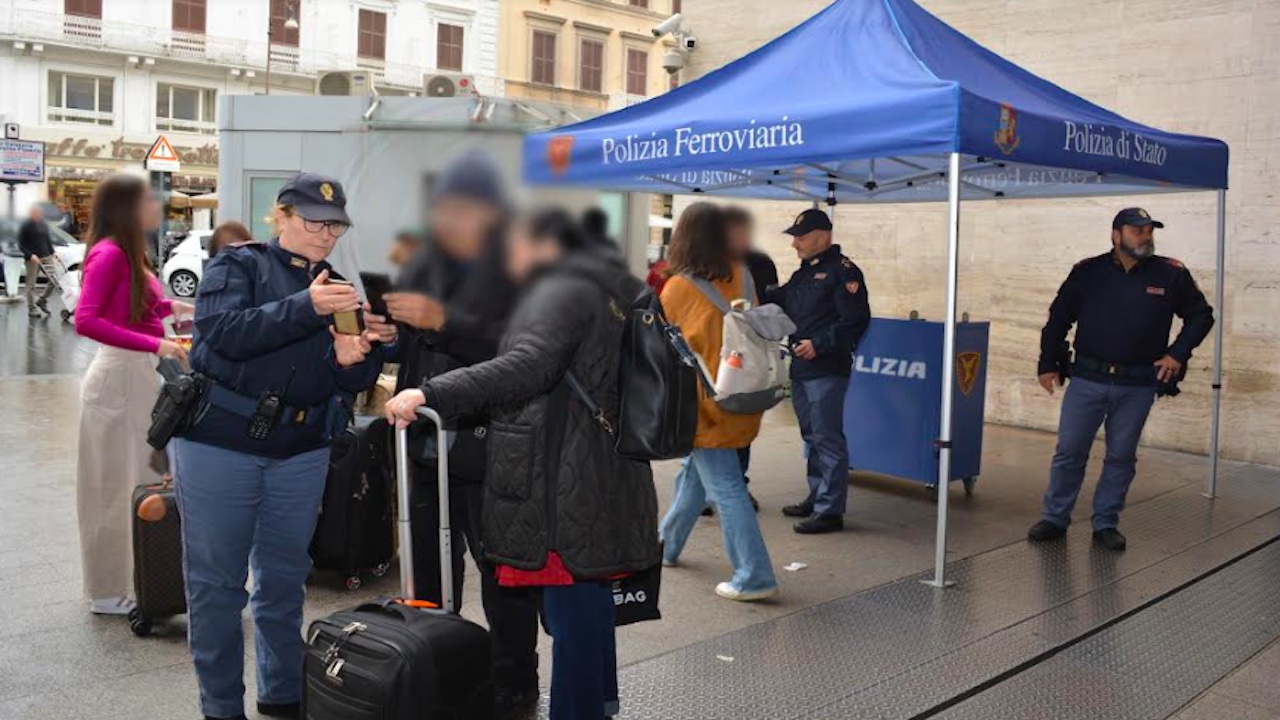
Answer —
819 405
239 512
1086 406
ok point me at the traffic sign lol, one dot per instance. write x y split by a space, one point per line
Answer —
21 161
162 157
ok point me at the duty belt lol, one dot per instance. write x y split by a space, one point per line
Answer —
292 415
1101 367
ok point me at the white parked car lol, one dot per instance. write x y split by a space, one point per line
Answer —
182 271
68 249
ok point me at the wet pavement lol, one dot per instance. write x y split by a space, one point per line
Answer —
58 661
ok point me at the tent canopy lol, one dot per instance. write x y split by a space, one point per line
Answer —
868 98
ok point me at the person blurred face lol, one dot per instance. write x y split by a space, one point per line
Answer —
150 214
36 213
312 240
461 226
1138 242
740 242
401 251
811 244
526 253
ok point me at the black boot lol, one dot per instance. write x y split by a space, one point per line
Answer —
1109 539
281 710
817 524
802 510
515 704
1045 531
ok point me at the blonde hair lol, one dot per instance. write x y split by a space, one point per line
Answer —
271 221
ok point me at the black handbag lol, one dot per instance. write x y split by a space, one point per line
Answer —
635 597
658 387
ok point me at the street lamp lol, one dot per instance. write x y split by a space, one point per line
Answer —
290 23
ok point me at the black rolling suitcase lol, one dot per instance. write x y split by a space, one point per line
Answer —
392 661
157 557
354 531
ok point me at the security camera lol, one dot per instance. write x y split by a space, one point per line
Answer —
669 25
673 61
689 42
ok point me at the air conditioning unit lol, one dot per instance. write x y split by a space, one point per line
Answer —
353 82
442 85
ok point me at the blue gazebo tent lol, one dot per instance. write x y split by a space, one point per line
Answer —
880 101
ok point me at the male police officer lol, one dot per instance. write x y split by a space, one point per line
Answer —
827 300
1123 305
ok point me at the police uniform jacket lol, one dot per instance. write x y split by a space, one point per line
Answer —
827 300
256 331
1124 318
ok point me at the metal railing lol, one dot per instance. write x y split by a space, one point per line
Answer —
134 38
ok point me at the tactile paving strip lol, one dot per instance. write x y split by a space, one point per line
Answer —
1149 665
900 650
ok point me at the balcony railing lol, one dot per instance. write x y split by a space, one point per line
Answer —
132 38
195 127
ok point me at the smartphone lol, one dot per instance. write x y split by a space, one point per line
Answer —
376 285
350 322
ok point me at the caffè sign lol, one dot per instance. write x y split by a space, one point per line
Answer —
118 149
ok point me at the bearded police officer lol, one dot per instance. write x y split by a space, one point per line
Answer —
1122 304
827 300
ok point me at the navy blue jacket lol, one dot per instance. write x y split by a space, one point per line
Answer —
256 331
827 300
1125 317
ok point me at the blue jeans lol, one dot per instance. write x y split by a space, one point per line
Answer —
584 652
1086 406
241 511
716 475
819 404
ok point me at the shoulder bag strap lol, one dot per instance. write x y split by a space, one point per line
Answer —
597 412
749 287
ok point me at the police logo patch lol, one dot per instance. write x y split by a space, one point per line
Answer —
820 276
815 261
1152 290
967 364
326 190
298 263
853 286
846 262
799 219
1143 214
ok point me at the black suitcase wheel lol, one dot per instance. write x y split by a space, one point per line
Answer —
380 569
354 582
66 315
138 624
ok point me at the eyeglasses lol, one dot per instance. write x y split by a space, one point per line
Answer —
336 228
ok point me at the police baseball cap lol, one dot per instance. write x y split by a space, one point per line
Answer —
1135 216
808 221
315 197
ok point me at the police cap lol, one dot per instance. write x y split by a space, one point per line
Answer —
315 197
808 221
1135 216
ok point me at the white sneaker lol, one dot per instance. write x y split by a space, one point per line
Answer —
729 592
670 563
112 606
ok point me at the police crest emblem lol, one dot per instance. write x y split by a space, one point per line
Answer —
967 364
326 191
559 152
1007 135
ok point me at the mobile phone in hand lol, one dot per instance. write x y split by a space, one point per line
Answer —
350 322
376 287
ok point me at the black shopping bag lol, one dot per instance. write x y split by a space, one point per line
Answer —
635 597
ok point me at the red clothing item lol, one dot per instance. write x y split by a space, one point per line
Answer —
657 275
552 574
102 312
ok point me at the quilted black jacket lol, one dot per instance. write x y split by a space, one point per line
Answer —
554 482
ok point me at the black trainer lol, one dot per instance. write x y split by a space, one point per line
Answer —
280 710
818 524
516 704
802 510
1045 531
1110 539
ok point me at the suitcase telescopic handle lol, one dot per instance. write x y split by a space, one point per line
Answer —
403 490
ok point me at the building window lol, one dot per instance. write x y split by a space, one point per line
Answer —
81 99
280 12
544 58
83 8
640 3
185 109
637 72
188 16
591 66
449 47
372 43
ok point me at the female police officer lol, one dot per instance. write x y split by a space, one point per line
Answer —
250 474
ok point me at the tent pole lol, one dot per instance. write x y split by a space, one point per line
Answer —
1211 482
948 374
